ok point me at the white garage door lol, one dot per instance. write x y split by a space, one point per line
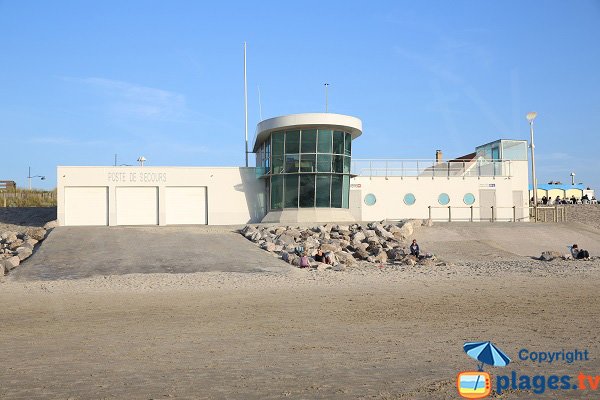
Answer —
185 205
86 206
137 205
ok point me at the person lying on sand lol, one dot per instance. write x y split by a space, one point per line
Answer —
579 254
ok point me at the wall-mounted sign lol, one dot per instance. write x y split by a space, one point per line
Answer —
491 185
130 177
355 185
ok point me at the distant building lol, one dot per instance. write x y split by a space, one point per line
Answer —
8 185
304 173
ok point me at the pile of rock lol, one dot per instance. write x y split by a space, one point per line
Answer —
348 245
16 247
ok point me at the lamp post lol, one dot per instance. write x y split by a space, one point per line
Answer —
141 160
530 117
35 176
326 99
572 178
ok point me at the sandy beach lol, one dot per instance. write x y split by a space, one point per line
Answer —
382 333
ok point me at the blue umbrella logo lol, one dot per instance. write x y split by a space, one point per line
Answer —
486 353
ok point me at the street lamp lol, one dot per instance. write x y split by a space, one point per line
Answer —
530 117
35 176
141 160
572 178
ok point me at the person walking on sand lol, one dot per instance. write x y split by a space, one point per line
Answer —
414 248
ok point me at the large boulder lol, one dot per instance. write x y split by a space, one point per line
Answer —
380 230
12 262
8 237
358 237
369 233
406 229
36 233
24 252
268 246
331 247
361 254
285 239
3 268
345 258
15 244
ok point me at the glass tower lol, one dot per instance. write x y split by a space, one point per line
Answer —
306 168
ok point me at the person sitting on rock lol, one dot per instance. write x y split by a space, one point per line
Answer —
414 248
304 261
322 257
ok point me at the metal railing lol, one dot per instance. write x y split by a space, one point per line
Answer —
489 214
431 168
540 213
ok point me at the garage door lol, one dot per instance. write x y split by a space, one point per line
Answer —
86 206
185 205
137 205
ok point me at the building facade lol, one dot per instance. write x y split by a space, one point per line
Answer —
304 173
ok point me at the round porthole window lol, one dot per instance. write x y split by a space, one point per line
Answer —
409 199
370 199
469 199
444 199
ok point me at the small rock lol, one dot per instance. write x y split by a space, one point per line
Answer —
550 255
51 225
12 262
36 233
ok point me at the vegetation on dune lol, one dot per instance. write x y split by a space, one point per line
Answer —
27 198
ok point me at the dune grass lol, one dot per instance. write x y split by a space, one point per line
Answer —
27 198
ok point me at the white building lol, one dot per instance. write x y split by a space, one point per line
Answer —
304 173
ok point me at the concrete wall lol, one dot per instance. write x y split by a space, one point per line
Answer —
390 192
234 195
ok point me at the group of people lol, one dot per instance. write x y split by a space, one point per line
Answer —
327 258
320 257
573 200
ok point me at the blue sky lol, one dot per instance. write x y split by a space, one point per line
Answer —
81 81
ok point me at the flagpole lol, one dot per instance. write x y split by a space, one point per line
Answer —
245 105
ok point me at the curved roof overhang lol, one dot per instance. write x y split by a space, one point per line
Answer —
346 123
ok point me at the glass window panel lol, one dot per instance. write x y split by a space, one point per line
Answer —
277 164
307 190
348 144
292 162
338 164
292 142
277 140
346 192
336 191
323 190
346 165
370 199
324 145
444 199
338 142
469 199
308 162
276 192
324 163
309 141
291 191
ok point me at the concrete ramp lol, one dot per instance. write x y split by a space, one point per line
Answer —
81 252
478 241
